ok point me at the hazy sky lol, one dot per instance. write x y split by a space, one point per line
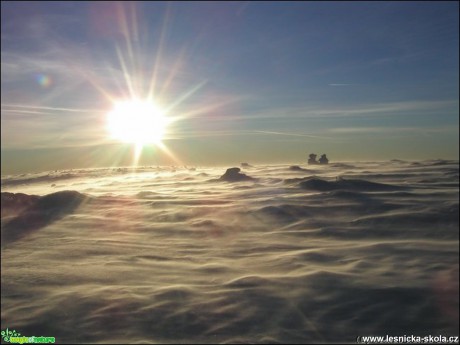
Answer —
245 81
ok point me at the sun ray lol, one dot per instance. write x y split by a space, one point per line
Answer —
187 94
88 76
173 72
169 153
137 153
205 109
158 56
125 72
124 27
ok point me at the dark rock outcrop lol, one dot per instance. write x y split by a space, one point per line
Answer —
40 212
234 175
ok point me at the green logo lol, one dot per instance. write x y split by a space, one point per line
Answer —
7 334
16 338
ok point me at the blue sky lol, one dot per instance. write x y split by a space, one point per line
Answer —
263 82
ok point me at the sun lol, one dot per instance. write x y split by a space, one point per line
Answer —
137 121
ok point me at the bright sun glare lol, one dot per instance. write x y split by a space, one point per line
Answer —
137 121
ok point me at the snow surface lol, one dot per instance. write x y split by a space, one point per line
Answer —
178 255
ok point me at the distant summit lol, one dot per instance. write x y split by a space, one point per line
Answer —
312 159
323 159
